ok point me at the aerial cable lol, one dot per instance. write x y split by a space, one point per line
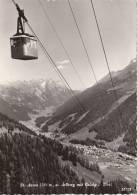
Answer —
90 63
106 59
61 42
82 41
102 43
57 69
52 62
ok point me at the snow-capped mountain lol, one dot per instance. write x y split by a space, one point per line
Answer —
20 99
111 124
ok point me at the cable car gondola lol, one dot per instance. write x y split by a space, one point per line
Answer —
23 45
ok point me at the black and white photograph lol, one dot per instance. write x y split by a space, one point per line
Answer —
68 78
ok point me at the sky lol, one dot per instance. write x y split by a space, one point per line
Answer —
117 19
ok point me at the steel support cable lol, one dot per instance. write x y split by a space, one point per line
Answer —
57 69
54 64
103 47
82 40
106 59
97 83
89 61
61 43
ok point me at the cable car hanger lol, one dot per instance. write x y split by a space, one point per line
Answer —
23 45
21 21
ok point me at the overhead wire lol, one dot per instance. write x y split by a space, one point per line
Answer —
54 64
73 15
102 43
106 59
61 42
87 55
90 63
57 69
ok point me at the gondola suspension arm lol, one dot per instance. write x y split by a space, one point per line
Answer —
21 19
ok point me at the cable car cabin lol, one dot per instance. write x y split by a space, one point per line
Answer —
24 47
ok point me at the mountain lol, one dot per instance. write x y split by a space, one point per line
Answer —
21 99
104 118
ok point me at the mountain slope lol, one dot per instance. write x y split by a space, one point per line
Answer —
98 121
28 159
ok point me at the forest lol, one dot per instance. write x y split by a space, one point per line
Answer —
31 164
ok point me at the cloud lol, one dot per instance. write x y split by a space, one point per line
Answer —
61 67
51 0
63 62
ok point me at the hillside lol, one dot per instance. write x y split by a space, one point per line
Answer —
26 158
109 123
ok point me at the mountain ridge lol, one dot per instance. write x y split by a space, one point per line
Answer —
22 98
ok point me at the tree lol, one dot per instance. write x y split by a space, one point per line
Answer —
2 177
16 176
83 187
